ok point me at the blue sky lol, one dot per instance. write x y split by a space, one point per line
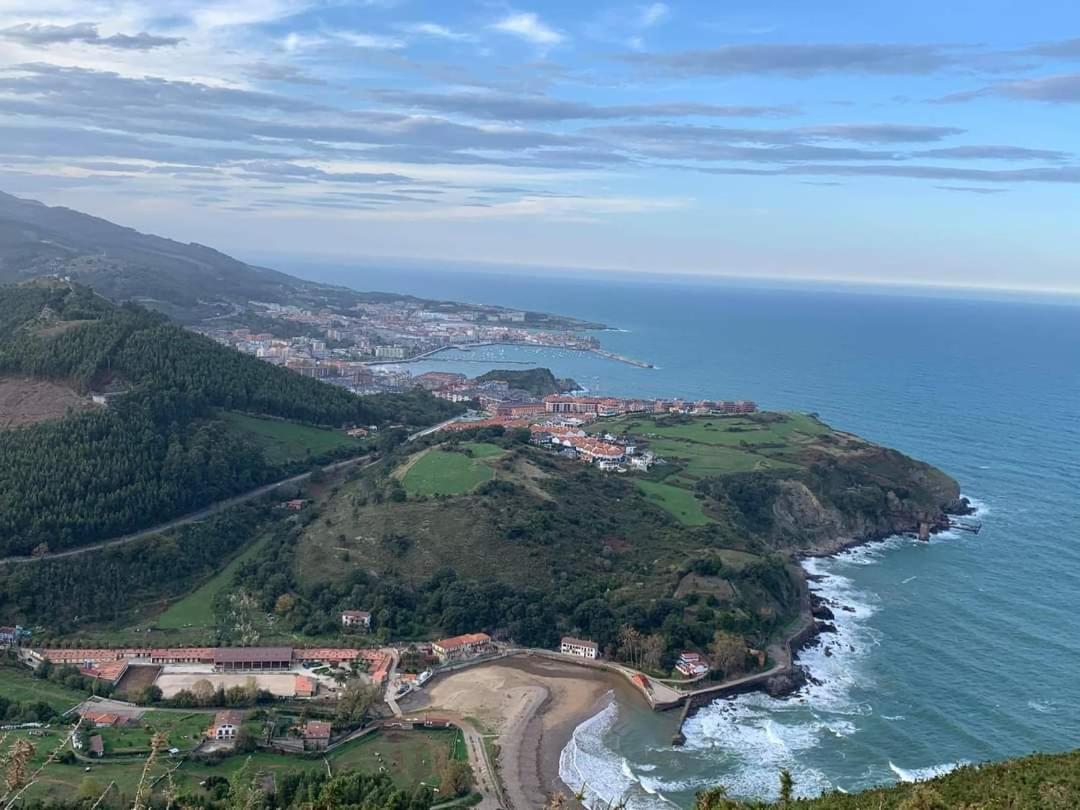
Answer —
885 142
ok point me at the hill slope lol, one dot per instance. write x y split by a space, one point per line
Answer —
189 282
161 448
498 535
1038 782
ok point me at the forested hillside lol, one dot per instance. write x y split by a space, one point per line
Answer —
160 449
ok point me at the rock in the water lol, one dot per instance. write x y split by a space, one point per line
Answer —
781 685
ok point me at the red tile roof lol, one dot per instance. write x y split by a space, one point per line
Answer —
463 641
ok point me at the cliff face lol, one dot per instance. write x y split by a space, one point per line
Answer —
860 497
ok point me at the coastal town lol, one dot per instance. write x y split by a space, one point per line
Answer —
363 349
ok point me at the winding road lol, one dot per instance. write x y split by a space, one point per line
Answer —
191 517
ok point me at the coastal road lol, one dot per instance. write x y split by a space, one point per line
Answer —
192 517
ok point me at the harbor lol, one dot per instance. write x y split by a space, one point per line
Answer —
432 354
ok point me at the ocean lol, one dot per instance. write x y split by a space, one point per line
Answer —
965 649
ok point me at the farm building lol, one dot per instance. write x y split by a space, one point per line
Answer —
244 659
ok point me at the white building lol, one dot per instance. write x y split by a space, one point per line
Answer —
356 618
580 648
226 725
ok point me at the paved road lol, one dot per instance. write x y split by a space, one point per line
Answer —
486 781
193 517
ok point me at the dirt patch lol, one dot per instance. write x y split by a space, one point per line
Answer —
282 684
135 679
399 473
26 401
719 587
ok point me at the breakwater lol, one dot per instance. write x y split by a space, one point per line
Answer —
430 355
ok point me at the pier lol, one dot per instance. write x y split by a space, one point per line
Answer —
465 347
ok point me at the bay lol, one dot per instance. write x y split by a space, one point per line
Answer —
962 650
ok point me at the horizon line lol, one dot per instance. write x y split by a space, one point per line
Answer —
487 266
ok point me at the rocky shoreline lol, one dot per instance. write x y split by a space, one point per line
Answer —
822 610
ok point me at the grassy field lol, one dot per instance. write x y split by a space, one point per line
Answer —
16 683
196 610
678 501
440 472
704 446
483 449
409 757
283 442
184 731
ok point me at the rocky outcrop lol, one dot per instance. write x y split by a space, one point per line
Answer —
867 496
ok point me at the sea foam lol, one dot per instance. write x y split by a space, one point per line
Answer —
747 740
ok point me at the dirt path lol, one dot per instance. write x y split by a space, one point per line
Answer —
192 517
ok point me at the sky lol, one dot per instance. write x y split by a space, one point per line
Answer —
899 142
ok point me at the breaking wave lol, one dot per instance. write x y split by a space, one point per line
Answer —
922 774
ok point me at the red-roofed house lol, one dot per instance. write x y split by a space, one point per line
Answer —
305 686
316 735
226 725
458 647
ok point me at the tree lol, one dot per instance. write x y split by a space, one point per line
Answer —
728 653
356 700
284 604
715 798
151 693
455 776
787 787
203 692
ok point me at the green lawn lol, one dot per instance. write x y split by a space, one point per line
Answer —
709 445
16 683
197 608
409 758
483 449
283 442
184 731
440 472
678 501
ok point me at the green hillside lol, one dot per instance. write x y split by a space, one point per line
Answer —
161 448
1038 782
537 381
549 546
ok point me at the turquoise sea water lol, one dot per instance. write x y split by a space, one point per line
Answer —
965 649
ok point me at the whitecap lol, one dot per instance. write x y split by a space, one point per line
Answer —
588 765
1041 706
981 507
922 774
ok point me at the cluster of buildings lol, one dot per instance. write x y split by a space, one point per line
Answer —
111 664
612 406
346 348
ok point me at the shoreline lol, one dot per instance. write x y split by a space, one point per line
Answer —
532 706
430 354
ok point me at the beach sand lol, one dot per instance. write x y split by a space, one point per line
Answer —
533 706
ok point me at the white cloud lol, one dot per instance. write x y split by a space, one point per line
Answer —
528 26
247 12
653 14
429 29
372 41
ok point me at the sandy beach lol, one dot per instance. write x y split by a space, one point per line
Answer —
532 705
